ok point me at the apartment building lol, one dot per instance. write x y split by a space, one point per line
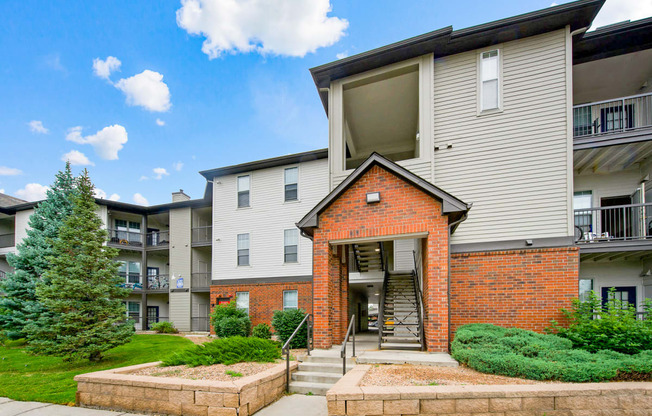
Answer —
487 174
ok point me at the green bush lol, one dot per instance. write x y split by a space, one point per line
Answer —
164 328
262 331
594 326
227 351
285 322
229 321
526 354
11 343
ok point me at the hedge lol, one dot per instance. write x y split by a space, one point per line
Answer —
227 351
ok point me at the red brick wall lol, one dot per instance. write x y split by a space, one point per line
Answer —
403 209
519 288
264 298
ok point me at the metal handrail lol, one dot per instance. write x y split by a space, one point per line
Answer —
381 305
419 296
286 347
579 210
346 339
629 97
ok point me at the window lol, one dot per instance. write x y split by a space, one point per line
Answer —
291 184
242 301
243 249
586 286
243 191
290 299
583 214
291 245
130 271
489 73
133 311
128 230
582 124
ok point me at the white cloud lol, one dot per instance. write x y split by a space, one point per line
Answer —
53 61
160 172
178 166
104 68
160 122
139 199
99 193
33 192
146 90
2 190
76 158
342 55
106 142
36 126
114 197
615 11
279 27
143 178
5 171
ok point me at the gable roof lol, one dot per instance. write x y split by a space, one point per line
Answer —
8 200
450 205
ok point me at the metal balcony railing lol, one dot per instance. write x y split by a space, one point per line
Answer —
158 239
200 324
617 115
201 279
159 281
617 223
202 234
7 240
125 238
131 280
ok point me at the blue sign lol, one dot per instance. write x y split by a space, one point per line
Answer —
180 283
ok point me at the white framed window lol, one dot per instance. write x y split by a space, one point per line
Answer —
242 301
130 271
582 203
290 299
243 249
133 310
586 286
490 80
291 246
291 184
244 185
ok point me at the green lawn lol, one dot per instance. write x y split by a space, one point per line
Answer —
48 379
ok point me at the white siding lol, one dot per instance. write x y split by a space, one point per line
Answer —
608 185
512 165
22 221
610 274
265 220
403 256
180 258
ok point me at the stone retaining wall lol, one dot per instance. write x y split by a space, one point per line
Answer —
347 397
118 390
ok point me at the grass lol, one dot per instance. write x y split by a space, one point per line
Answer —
49 379
233 373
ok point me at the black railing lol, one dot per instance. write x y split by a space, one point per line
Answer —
350 331
202 279
617 115
419 295
202 234
381 305
158 239
7 240
200 324
307 320
622 222
3 275
125 238
158 282
131 280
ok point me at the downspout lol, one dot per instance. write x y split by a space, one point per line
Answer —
448 291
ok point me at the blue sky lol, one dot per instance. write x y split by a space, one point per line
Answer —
171 108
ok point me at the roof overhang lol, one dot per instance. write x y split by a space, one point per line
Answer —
451 206
613 40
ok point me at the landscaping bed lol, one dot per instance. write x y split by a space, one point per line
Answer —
218 372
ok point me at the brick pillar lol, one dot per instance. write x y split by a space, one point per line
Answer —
435 273
321 299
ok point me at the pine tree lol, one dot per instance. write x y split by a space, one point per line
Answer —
19 305
83 289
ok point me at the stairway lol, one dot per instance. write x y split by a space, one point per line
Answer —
317 374
401 326
369 256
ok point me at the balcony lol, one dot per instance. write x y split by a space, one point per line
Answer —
125 238
131 280
201 280
615 224
7 240
199 324
158 282
619 115
158 239
202 235
151 320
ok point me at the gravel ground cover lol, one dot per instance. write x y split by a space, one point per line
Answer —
421 375
217 372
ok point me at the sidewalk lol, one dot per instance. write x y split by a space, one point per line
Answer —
10 407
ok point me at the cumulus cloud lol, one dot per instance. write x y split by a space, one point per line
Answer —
5 171
99 193
106 142
139 199
76 158
36 126
279 27
146 90
2 190
104 68
33 192
615 11
160 172
178 166
160 122
143 178
342 55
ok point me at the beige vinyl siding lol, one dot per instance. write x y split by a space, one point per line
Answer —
417 166
180 262
513 164
608 185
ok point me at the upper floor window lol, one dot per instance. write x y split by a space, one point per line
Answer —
244 183
243 249
290 299
242 301
291 184
291 246
490 82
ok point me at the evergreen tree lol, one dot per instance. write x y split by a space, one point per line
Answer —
83 289
19 305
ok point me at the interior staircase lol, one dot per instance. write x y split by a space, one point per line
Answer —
317 374
369 256
401 326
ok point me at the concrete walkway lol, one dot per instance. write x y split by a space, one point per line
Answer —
10 407
296 404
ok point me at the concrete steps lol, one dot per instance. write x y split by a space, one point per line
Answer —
317 374
401 324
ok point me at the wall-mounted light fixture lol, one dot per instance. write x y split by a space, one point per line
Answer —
373 197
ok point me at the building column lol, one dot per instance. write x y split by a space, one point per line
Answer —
143 271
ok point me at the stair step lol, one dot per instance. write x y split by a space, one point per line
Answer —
305 387
323 367
315 377
326 360
398 346
402 340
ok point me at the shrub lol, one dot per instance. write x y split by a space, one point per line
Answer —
526 354
285 322
164 328
262 331
229 321
613 326
11 343
227 351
